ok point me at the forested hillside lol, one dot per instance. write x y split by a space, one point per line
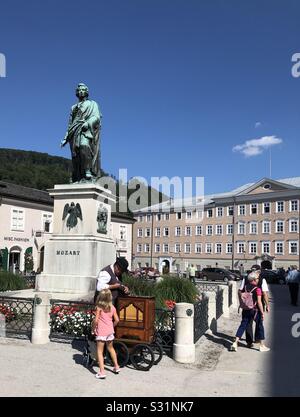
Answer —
43 171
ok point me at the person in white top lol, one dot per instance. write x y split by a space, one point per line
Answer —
265 301
110 278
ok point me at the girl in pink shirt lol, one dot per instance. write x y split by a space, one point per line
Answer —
103 327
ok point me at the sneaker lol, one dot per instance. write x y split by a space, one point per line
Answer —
116 370
100 376
250 345
263 348
234 347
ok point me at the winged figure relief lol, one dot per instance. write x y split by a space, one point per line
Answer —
74 212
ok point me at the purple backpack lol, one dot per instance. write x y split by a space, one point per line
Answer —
247 300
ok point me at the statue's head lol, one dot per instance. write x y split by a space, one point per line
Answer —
82 91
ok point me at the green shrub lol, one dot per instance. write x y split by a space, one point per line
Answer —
171 287
177 289
11 282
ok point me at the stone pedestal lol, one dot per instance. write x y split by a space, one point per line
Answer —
41 328
212 321
184 348
75 255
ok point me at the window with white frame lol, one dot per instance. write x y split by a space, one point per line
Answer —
139 232
219 211
266 226
178 216
148 218
253 208
47 222
266 208
266 247
148 232
293 225
229 229
253 228
166 248
166 231
177 247
188 231
198 247
158 217
147 248
218 248
279 206
279 248
242 210
208 248
279 226
209 212
219 229
17 219
198 230
157 231
294 205
241 247
228 247
230 211
167 216
187 248
241 228
209 230
177 231
123 232
293 247
157 247
200 214
188 215
252 248
140 218
139 248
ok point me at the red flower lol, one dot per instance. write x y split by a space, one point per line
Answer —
170 304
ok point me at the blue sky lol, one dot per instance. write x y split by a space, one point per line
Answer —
180 83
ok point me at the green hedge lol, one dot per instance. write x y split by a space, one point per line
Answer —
173 288
11 282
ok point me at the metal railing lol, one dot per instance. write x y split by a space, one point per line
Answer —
200 318
230 295
207 286
30 281
70 319
17 316
165 328
219 303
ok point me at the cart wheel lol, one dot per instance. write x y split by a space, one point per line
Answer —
142 357
122 354
87 360
158 352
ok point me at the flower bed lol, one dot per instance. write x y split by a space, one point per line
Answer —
8 312
71 319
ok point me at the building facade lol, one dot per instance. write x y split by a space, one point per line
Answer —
254 224
26 220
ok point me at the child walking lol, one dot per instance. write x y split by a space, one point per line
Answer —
103 327
252 310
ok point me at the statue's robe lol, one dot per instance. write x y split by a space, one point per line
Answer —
85 112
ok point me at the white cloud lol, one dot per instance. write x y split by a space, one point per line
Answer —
257 125
255 147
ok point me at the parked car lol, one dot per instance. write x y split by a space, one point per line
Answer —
217 274
236 273
273 277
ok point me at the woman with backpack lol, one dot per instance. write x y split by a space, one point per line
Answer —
251 304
